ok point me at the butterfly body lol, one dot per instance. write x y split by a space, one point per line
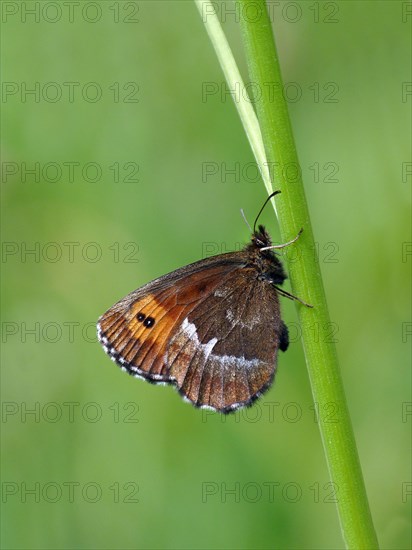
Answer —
212 328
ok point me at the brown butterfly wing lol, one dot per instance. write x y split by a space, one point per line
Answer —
214 331
124 332
223 356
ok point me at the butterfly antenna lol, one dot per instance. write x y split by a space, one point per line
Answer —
261 210
244 217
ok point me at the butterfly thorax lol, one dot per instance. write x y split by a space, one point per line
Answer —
265 262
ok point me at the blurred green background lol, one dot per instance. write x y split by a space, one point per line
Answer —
147 176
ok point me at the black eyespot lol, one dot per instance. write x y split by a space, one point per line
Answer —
141 316
149 322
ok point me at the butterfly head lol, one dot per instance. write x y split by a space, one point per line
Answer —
264 260
261 238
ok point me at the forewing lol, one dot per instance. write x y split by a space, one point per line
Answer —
137 330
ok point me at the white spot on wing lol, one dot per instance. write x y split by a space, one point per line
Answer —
221 293
228 361
190 331
208 408
230 316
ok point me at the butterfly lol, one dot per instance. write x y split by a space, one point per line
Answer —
212 328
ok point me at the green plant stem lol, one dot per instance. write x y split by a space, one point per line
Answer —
327 388
233 78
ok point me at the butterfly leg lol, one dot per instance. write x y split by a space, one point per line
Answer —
278 246
291 296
